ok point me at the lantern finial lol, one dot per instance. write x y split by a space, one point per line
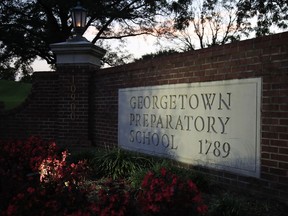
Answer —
78 15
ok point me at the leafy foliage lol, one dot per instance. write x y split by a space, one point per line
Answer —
19 162
227 205
63 188
27 28
157 54
110 197
210 23
118 163
268 13
38 179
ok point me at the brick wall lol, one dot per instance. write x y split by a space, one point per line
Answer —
73 102
265 57
57 108
78 105
37 115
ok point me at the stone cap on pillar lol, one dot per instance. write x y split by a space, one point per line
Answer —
77 53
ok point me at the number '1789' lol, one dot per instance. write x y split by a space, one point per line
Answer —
217 148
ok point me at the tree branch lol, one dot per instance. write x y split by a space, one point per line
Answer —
127 35
98 36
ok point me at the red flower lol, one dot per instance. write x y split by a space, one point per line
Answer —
163 171
192 186
30 190
20 196
146 179
154 208
202 209
174 181
167 194
197 198
11 210
94 208
158 197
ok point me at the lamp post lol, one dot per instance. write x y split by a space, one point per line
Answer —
78 15
76 60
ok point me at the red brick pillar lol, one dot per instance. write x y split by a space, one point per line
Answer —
76 63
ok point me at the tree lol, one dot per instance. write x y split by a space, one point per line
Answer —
10 65
269 14
217 22
213 22
28 27
157 54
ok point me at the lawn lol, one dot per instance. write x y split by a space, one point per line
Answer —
13 93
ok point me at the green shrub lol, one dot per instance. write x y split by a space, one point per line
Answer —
228 205
117 163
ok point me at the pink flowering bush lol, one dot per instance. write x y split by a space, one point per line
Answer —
56 170
167 194
46 201
61 188
21 157
38 180
19 163
57 190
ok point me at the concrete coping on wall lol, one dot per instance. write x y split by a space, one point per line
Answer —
77 52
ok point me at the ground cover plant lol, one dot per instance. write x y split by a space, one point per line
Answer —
38 178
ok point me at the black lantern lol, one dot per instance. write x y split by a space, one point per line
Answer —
78 15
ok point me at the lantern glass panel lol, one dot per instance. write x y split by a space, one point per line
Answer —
78 17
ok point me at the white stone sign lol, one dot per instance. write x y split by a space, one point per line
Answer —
212 124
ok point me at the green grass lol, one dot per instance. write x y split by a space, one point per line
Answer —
13 93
